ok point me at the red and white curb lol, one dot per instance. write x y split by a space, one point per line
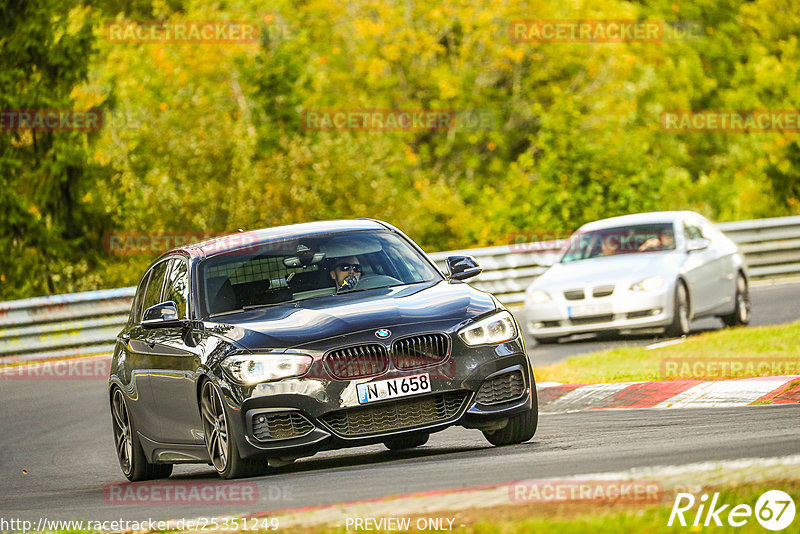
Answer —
564 398
553 397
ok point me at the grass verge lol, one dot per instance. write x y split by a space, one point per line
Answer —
730 353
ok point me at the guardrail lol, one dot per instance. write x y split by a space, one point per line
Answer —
60 326
87 323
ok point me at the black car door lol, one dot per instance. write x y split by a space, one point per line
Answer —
175 365
139 352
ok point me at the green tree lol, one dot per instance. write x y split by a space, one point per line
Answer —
48 228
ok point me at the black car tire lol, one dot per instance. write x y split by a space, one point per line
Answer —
130 454
680 314
547 340
220 444
406 442
519 429
741 314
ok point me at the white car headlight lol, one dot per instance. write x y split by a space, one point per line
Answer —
496 328
254 368
648 284
537 296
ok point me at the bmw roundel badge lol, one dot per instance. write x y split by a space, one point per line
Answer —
383 333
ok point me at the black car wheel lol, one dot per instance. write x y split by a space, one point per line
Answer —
222 449
741 314
520 428
680 316
131 456
406 442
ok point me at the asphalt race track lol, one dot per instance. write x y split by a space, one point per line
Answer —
68 454
777 303
59 432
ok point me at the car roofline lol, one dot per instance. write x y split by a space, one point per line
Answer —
253 238
654 217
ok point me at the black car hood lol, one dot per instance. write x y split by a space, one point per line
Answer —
291 324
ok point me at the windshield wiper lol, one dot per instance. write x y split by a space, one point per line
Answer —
248 308
256 306
356 290
349 291
226 312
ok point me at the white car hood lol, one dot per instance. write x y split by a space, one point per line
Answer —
622 269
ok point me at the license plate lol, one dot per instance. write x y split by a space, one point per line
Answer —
588 310
393 388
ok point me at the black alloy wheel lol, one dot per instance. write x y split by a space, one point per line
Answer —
132 460
222 450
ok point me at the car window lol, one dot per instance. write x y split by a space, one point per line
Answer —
692 231
708 230
178 286
640 238
154 286
301 268
136 307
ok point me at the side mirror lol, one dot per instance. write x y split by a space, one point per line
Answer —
462 267
163 315
698 243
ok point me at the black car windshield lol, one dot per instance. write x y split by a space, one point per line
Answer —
641 238
307 267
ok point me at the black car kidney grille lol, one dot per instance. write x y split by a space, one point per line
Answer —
574 294
358 362
503 388
398 415
602 291
420 351
283 425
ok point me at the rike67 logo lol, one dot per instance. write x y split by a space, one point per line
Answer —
774 510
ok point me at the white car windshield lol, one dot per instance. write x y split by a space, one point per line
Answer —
642 238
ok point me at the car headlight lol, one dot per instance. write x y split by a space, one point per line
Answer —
537 296
648 284
254 368
496 328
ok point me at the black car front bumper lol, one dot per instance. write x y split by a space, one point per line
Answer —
476 387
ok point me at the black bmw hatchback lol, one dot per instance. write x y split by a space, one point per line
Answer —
263 347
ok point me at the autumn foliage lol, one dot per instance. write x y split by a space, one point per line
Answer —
211 135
